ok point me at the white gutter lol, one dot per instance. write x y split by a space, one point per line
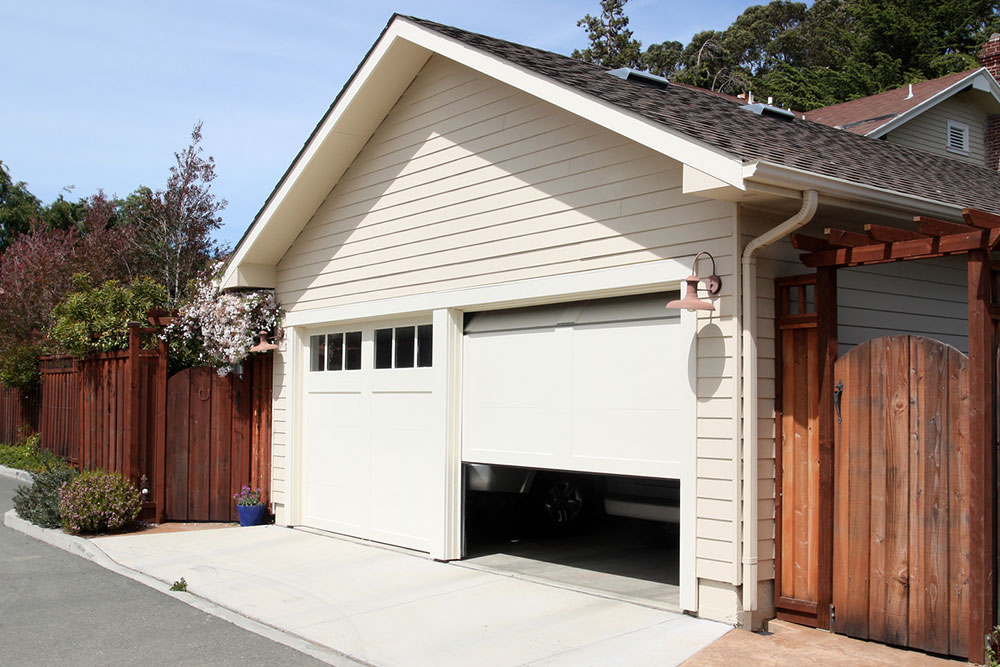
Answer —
810 200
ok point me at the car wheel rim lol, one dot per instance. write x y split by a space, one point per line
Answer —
563 503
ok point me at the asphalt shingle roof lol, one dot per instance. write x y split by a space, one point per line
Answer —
719 123
865 114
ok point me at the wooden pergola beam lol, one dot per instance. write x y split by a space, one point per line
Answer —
935 227
981 219
809 243
884 234
845 239
922 248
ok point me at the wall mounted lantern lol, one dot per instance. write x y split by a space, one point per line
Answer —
712 285
263 345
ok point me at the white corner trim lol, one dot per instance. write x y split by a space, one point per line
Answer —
646 277
981 79
688 557
656 136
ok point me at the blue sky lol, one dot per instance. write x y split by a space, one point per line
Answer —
100 94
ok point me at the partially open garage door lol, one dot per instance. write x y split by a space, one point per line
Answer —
371 436
593 386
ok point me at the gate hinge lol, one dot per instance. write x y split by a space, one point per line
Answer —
833 617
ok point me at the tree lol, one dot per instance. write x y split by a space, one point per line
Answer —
611 43
172 227
18 207
830 52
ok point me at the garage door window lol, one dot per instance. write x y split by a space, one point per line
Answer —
335 352
404 347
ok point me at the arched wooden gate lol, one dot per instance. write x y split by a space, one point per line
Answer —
886 519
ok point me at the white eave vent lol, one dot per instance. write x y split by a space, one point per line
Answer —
958 137
762 109
645 78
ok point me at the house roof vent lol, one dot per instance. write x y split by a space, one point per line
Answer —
645 78
769 110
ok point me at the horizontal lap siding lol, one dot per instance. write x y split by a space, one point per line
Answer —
469 182
929 130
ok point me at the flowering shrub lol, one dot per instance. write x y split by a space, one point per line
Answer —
225 323
39 503
247 496
98 501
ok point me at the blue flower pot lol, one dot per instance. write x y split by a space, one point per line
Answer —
253 515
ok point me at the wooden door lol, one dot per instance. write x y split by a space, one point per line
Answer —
901 495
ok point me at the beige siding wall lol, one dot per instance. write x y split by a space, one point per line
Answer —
469 182
929 130
925 297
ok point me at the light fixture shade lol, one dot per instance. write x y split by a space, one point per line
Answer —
263 345
691 300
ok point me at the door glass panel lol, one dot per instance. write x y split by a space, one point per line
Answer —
317 352
425 345
405 339
335 352
352 359
383 348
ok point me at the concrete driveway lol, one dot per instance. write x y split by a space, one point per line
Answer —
388 607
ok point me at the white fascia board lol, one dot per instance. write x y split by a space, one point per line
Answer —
655 136
981 79
664 274
829 187
374 89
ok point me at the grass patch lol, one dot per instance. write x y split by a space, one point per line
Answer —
27 455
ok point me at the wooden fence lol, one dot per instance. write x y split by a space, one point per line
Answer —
18 413
112 411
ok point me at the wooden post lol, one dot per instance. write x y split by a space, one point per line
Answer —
159 417
982 442
130 464
826 316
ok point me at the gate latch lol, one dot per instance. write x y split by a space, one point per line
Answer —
837 391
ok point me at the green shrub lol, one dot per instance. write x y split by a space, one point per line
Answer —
39 503
27 455
19 365
98 501
95 319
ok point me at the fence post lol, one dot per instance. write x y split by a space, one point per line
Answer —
131 462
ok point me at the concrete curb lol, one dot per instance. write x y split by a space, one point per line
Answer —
14 473
86 549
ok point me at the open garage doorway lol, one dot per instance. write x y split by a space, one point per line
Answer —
613 535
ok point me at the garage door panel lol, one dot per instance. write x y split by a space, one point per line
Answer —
591 392
370 450
641 436
623 367
519 430
504 363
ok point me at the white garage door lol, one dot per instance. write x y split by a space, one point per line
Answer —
593 386
371 436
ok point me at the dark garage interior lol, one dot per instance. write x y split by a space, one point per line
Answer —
613 535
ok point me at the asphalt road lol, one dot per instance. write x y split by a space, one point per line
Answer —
59 609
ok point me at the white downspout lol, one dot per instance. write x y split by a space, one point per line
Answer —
810 201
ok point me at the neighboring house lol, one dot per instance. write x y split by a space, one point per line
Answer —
458 181
948 116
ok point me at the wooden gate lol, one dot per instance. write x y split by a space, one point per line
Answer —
901 500
218 439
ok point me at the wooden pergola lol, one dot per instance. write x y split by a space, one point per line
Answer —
929 238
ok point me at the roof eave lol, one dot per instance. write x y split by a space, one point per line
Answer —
776 175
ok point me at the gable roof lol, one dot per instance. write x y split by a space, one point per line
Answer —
702 130
799 144
876 115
